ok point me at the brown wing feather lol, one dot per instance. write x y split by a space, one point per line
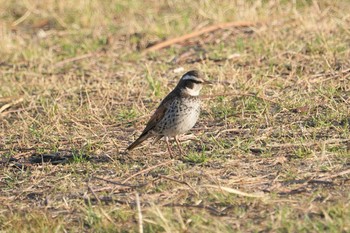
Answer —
155 118
159 113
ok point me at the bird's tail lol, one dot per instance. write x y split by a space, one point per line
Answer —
138 141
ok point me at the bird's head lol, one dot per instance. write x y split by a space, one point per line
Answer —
191 83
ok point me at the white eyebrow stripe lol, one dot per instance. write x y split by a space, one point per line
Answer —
189 77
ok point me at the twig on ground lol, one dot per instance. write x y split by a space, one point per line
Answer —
93 193
77 58
231 131
211 209
238 95
147 170
198 33
235 191
180 182
342 173
137 198
120 183
6 106
21 19
329 141
22 149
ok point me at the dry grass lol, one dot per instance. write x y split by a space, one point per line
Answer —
269 154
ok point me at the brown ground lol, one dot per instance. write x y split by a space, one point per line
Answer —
269 154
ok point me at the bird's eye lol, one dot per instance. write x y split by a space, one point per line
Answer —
189 84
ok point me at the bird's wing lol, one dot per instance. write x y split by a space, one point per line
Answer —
156 117
159 113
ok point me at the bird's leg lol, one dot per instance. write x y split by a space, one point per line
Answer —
168 145
178 145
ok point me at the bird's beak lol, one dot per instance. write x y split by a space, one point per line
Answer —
207 82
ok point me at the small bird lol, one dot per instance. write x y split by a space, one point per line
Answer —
177 113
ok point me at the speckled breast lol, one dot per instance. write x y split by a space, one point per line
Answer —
180 117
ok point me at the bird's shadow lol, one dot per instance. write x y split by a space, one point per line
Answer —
70 156
61 157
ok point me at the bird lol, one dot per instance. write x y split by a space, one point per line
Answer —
177 113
